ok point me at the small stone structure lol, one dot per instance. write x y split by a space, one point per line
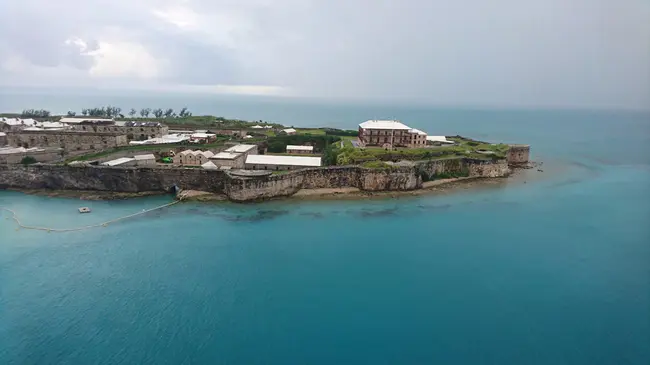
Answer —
68 140
518 154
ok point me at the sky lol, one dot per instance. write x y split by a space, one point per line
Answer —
556 53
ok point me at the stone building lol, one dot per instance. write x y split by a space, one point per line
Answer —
304 150
390 134
66 139
192 158
133 130
229 160
3 139
246 149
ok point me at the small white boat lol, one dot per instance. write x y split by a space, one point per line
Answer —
84 210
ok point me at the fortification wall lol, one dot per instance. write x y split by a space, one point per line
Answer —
67 140
237 188
105 178
518 154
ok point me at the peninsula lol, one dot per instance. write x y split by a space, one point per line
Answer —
106 152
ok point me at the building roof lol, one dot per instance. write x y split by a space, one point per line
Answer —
149 156
18 121
225 156
299 148
207 154
52 125
241 148
202 135
257 127
117 162
10 150
289 130
441 139
384 124
2 134
283 160
168 138
84 119
210 166
187 152
417 131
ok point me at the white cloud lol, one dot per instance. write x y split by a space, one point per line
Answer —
124 59
505 52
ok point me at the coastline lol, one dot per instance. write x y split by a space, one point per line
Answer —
429 187
441 186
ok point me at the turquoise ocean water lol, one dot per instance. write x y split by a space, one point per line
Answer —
552 271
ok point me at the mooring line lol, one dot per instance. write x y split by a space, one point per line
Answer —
104 224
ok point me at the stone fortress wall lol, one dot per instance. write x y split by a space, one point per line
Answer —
239 188
518 154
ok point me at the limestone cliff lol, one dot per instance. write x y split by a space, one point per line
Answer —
239 188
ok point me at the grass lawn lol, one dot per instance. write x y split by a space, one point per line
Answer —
312 131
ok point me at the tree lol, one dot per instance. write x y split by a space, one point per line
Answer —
28 160
158 113
117 111
35 113
184 113
145 112
169 113
71 114
132 112
84 112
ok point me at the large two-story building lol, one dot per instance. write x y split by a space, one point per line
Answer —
390 134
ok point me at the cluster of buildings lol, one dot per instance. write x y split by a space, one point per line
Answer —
243 156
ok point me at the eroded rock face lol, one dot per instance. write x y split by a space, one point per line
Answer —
238 188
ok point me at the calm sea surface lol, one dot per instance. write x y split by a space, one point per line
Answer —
552 271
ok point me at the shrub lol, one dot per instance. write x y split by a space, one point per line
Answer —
376 165
28 160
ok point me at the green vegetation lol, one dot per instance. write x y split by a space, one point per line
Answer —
376 165
349 155
310 131
278 144
35 113
167 116
341 132
28 160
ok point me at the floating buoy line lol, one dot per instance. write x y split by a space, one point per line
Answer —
104 224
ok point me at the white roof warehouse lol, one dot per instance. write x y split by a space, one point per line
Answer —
274 162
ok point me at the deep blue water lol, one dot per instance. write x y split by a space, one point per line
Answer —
552 271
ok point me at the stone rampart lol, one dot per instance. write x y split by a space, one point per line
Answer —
242 188
518 154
